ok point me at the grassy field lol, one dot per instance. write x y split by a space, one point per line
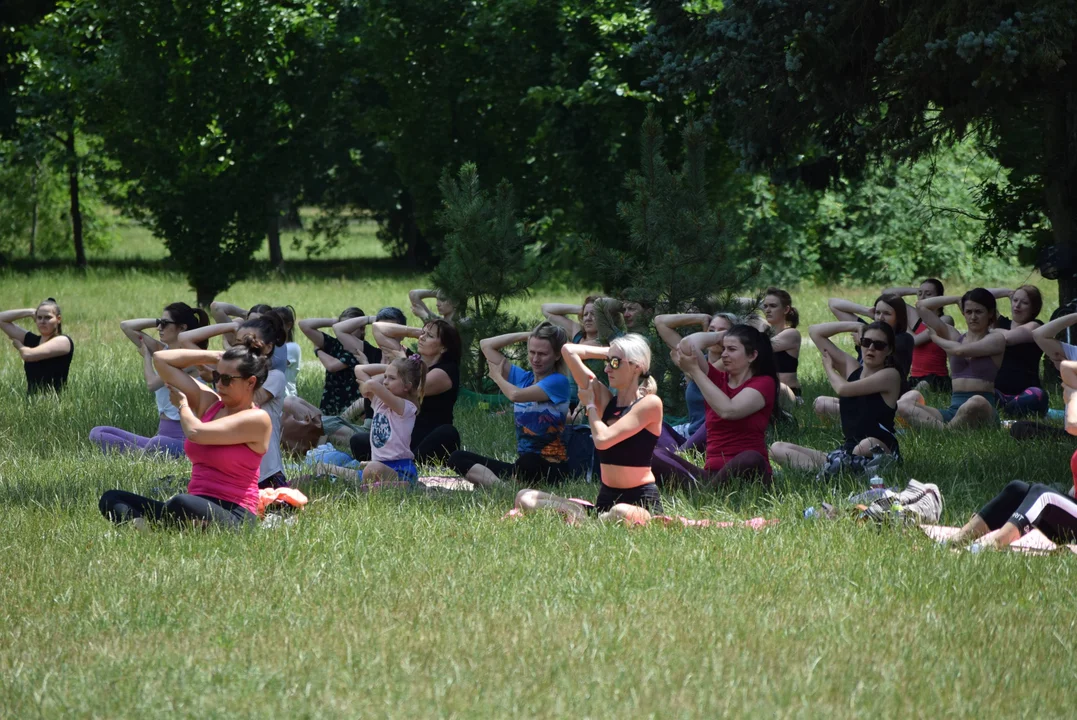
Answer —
401 605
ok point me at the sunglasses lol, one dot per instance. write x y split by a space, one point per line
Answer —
614 362
868 344
226 380
161 322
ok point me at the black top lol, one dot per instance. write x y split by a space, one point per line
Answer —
633 451
44 374
436 410
863 416
904 344
1020 369
341 388
784 362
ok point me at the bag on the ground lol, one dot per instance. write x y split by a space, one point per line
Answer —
919 503
580 447
842 461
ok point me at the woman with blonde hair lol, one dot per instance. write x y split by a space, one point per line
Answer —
625 429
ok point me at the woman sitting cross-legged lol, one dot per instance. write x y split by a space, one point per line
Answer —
227 435
867 399
975 357
1021 506
540 406
740 403
625 429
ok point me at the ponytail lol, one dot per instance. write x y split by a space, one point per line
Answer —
413 372
270 327
191 317
792 317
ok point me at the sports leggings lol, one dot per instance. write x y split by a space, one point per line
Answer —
121 506
529 467
1032 402
673 471
1033 506
168 440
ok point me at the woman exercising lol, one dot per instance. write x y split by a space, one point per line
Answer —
46 355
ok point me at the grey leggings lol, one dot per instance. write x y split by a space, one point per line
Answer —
121 506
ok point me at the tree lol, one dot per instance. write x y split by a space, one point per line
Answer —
486 259
829 87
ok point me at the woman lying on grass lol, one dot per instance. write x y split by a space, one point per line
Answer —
227 435
46 356
867 399
625 429
1021 507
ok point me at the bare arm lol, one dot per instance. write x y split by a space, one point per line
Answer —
312 328
645 413
388 335
344 331
491 350
133 330
7 322
1020 334
989 346
378 389
847 311
206 332
666 326
574 355
223 312
330 363
901 291
820 336
788 339
1045 337
696 344
170 365
557 314
928 310
53 347
743 404
887 381
153 381
1000 292
416 297
250 427
1068 371
437 382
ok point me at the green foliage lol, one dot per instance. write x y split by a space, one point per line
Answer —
486 261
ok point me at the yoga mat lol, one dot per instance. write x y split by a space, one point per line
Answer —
1034 542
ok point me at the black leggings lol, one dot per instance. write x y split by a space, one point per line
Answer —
438 444
529 467
644 496
1033 506
120 506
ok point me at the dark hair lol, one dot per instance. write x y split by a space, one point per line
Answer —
891 339
1034 298
983 297
391 314
52 301
792 317
448 336
937 284
270 327
287 316
189 317
252 363
763 365
259 309
901 312
352 312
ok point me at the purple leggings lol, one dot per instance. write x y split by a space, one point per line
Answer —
673 471
168 440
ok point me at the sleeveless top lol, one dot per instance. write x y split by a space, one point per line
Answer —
864 415
224 472
437 410
633 451
1020 369
975 368
49 373
785 363
927 359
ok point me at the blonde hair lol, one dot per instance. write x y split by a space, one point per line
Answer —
637 351
413 373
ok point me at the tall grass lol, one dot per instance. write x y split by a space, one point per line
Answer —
404 605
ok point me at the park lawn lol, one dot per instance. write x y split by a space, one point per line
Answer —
414 606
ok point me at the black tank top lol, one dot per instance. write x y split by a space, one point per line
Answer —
862 416
634 451
784 362
1020 369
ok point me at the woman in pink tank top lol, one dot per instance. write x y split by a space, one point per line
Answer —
226 437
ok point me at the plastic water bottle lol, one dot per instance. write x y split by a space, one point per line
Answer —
811 514
877 483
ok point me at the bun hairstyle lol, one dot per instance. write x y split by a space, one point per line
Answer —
251 359
981 296
270 328
287 316
189 317
757 342
412 371
901 312
350 313
448 336
56 306
891 339
393 315
556 336
259 309
1035 298
792 317
637 351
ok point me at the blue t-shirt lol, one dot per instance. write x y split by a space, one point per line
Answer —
697 406
539 425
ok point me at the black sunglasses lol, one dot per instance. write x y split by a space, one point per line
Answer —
226 380
868 343
161 322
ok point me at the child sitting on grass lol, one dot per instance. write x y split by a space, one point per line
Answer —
395 396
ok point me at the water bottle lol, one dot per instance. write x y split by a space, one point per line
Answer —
811 514
877 483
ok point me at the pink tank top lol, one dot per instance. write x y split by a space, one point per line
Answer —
225 472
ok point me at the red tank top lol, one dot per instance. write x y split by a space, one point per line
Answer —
225 472
929 358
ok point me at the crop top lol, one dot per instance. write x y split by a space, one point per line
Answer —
785 363
633 451
974 368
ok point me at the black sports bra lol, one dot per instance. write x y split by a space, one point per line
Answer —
633 451
784 362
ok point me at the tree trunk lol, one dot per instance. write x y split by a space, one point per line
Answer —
1060 141
73 186
276 255
204 296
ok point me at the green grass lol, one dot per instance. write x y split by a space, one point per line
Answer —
407 606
